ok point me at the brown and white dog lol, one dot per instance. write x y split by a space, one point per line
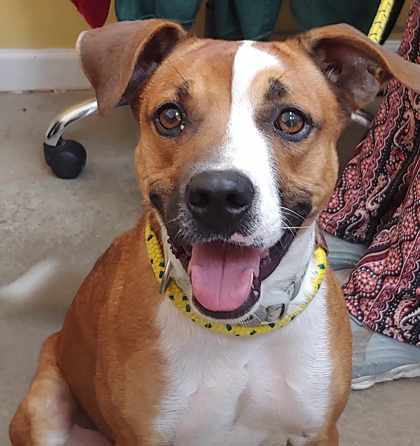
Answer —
237 147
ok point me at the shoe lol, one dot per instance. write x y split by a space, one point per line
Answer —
378 358
342 254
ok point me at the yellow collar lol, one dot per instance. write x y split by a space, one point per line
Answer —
174 293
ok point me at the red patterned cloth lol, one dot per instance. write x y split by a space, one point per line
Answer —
95 12
377 201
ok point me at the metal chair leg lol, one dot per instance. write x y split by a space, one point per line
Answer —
67 158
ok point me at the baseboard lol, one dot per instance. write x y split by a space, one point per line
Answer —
53 69
40 69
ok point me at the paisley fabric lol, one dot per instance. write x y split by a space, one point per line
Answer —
377 201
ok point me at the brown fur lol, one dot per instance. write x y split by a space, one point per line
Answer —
340 349
105 362
207 106
117 349
308 169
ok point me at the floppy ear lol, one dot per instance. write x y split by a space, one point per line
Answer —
117 59
358 67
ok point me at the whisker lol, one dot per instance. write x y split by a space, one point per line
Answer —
295 227
173 220
287 226
286 209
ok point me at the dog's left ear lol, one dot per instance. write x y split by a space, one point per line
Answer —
358 67
119 58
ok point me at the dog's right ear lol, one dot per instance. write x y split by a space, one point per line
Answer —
356 66
117 59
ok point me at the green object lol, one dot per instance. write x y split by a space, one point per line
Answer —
181 11
360 14
242 19
226 19
256 19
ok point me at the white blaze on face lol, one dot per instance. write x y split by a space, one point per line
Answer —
246 149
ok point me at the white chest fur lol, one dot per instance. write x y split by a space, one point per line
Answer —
244 391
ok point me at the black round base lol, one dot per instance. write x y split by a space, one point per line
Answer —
67 159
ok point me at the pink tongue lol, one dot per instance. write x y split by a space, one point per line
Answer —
222 274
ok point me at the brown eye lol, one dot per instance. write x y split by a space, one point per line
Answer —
290 121
169 120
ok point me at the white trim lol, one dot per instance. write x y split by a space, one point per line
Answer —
55 69
40 69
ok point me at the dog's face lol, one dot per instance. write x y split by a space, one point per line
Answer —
237 139
237 145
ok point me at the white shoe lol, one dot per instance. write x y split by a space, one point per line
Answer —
378 358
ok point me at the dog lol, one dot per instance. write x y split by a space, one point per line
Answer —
216 320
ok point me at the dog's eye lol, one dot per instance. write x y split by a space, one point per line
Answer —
169 120
292 124
290 121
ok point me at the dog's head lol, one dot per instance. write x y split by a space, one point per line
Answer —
237 139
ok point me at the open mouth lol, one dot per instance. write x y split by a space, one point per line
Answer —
226 278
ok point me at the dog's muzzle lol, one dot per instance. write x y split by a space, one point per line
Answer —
225 268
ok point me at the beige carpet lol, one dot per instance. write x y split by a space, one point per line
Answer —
67 224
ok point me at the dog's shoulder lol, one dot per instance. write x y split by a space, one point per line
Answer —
120 279
120 283
114 263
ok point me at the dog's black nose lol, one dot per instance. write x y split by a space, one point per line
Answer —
219 199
